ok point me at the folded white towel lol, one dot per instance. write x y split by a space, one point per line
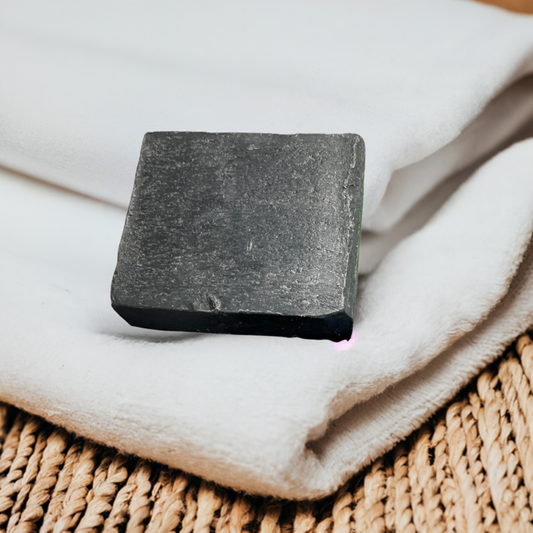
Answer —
433 88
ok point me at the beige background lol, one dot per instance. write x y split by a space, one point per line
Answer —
522 6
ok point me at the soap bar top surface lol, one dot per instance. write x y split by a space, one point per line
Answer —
243 233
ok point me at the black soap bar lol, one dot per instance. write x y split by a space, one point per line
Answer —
243 233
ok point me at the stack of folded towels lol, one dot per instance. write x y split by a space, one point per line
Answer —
441 92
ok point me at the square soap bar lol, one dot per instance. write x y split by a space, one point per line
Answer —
243 233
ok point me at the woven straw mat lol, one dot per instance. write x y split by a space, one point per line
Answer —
470 468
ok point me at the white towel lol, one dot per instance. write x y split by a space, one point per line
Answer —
436 89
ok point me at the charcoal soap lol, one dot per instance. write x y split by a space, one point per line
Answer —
243 233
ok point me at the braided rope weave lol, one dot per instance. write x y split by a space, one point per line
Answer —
469 469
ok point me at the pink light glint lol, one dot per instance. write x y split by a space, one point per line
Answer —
345 345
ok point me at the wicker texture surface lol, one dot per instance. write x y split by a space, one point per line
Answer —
469 469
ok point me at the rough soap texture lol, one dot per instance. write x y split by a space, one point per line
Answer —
243 233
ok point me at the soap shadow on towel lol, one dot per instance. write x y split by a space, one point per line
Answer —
114 326
154 336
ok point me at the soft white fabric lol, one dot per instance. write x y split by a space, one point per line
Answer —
436 88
